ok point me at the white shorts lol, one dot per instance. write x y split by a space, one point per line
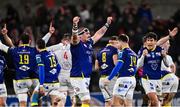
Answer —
152 86
53 89
124 87
22 86
81 87
108 89
170 83
65 85
3 91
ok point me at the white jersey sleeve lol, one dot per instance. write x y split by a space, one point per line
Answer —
170 62
3 47
55 47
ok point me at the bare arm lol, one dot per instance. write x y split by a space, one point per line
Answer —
4 32
75 39
115 59
96 65
99 34
173 68
172 34
48 35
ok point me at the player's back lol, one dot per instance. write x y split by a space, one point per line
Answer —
105 59
24 60
129 59
52 67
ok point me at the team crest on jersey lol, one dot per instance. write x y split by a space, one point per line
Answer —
104 66
154 66
24 68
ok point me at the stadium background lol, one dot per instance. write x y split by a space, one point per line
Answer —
133 17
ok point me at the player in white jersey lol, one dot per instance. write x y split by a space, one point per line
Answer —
170 81
62 51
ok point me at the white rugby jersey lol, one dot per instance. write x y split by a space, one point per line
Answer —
170 62
64 57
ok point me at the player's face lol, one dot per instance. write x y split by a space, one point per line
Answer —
119 45
114 43
65 41
150 43
85 34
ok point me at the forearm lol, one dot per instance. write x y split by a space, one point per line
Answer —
75 38
100 33
41 75
47 37
163 40
115 70
140 62
8 41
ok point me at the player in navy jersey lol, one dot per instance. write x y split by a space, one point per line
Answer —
105 62
25 64
24 61
49 69
172 34
3 91
150 58
125 69
81 50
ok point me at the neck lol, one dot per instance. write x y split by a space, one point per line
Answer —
40 50
125 45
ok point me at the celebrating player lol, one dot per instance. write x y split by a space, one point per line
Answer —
105 62
81 50
125 68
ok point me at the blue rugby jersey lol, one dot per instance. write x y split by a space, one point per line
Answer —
105 59
2 67
82 59
129 59
24 59
51 66
152 63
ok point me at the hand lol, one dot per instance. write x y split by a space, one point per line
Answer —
41 90
76 20
163 53
4 31
145 52
109 20
173 32
106 81
51 28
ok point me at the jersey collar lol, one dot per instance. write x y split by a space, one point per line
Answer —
24 44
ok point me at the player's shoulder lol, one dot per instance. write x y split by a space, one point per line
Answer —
158 48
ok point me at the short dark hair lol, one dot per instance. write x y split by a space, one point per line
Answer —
25 38
123 38
151 35
41 44
113 38
66 36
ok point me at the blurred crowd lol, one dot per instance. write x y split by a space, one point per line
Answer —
134 20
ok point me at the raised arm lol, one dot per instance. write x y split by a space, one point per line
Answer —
99 34
4 32
75 39
48 35
172 34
